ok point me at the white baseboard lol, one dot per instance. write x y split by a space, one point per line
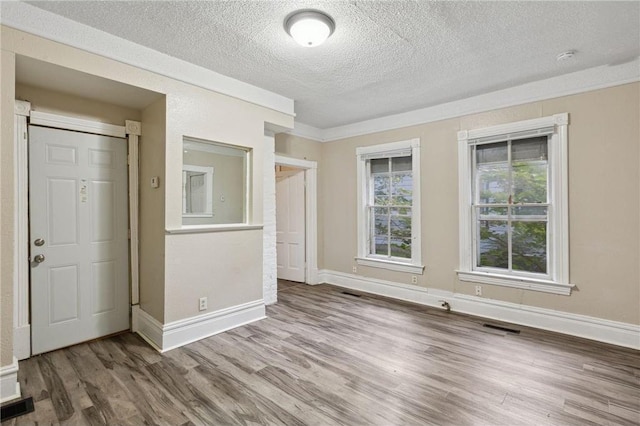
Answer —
149 328
22 342
617 333
9 385
314 278
164 337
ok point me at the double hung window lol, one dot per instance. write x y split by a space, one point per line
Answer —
513 205
388 208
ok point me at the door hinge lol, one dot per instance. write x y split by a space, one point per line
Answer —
129 233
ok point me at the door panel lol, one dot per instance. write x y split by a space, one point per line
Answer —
63 293
290 225
62 199
78 203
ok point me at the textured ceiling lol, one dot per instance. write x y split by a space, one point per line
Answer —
385 57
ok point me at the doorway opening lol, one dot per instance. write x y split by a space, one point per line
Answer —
296 219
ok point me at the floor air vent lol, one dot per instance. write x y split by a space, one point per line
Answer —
15 409
497 327
351 294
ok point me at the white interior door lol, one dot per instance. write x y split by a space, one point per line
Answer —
290 225
79 237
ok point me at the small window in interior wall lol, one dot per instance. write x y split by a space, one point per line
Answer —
214 183
389 206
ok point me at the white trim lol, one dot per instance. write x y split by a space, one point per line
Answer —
311 209
9 384
54 27
414 265
22 337
21 326
602 330
600 77
71 123
182 332
147 327
134 131
198 229
557 281
515 127
526 283
283 160
306 131
390 265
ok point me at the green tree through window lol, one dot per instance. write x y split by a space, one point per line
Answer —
391 197
511 205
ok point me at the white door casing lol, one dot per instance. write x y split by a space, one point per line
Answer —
290 225
78 206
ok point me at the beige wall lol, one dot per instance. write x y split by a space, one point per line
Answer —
306 149
189 111
151 210
54 102
298 147
604 152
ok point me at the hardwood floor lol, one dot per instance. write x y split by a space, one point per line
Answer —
328 358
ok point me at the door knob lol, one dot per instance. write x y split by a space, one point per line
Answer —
39 258
39 242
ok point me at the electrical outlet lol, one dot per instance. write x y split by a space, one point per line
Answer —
414 279
478 290
203 303
355 269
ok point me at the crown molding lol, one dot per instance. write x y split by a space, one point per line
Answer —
568 84
28 18
305 131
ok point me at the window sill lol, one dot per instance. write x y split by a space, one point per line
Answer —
516 282
195 229
390 265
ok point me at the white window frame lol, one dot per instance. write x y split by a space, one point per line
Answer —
413 265
557 279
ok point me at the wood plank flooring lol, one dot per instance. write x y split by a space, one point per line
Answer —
328 358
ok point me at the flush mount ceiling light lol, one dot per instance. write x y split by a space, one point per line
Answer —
309 28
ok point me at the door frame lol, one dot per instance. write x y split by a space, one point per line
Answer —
23 116
310 169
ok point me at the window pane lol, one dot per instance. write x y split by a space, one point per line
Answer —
401 248
493 250
493 183
400 164
381 190
400 226
523 211
529 149
402 211
529 245
381 245
530 182
493 211
401 189
492 153
209 171
380 165
380 221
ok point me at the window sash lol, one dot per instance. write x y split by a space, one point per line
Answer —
509 218
371 205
